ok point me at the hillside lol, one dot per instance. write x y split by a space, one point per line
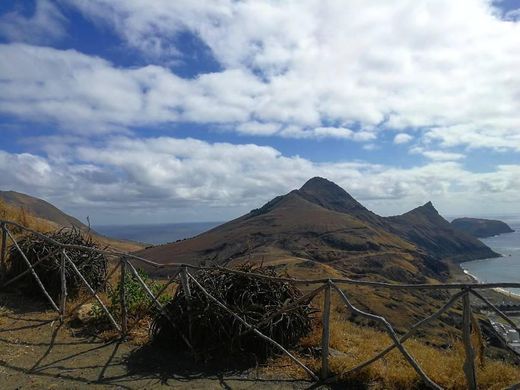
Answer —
481 228
40 209
42 216
426 228
323 223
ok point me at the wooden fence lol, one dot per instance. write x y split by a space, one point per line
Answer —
182 275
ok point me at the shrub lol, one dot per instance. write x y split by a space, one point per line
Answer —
211 330
92 265
137 300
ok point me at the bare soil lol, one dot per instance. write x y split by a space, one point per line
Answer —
38 352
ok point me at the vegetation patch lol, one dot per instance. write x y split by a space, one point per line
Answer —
46 259
211 331
138 302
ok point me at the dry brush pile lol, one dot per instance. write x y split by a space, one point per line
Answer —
91 264
212 331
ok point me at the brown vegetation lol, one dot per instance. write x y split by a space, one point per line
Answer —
202 327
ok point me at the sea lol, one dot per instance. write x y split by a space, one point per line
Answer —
155 233
500 269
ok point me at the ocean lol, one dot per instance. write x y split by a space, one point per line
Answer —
500 269
157 233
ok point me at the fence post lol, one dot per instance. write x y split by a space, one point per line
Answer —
42 287
325 336
187 291
63 300
122 298
185 283
3 253
469 363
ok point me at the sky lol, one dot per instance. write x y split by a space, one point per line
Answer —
133 111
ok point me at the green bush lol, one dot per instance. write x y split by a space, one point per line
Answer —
138 302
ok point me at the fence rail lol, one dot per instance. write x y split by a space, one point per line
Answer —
182 275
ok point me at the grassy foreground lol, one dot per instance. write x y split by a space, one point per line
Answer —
354 344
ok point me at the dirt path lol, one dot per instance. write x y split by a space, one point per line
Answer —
36 352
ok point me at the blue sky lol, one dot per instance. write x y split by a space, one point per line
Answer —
161 111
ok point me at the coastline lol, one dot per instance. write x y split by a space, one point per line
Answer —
501 291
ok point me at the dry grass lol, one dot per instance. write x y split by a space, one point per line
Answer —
359 343
24 218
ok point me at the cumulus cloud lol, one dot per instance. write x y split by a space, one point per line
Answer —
446 66
45 26
402 138
158 178
437 155
413 64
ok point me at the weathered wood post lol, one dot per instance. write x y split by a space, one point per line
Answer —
33 272
469 363
325 336
63 297
3 254
187 291
122 298
185 283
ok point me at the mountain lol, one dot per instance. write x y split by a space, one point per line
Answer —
40 209
322 223
42 216
481 228
427 229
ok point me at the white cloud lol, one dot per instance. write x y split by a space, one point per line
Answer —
402 138
513 15
437 155
415 63
449 66
161 179
476 137
46 25
258 128
83 92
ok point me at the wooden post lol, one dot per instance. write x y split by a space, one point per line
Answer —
122 297
325 335
63 278
187 292
403 338
3 254
51 301
392 335
469 363
91 290
185 283
158 304
21 275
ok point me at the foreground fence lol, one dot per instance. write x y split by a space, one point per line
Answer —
182 275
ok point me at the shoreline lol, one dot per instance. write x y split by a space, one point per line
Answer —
502 291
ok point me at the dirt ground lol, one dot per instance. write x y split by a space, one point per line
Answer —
37 352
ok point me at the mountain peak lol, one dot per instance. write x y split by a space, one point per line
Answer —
427 212
429 205
328 194
319 182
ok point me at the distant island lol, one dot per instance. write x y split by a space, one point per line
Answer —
481 228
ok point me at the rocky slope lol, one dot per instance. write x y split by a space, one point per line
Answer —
321 222
481 228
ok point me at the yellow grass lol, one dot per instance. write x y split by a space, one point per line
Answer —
359 343
22 217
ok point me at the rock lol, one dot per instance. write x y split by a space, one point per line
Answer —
481 228
84 312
